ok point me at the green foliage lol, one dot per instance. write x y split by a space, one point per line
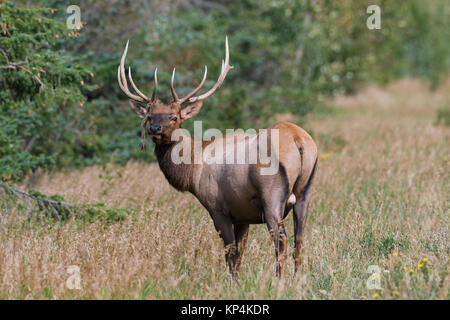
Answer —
93 212
57 210
61 105
389 243
380 246
443 116
39 87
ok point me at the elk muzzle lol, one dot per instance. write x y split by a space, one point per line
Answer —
154 129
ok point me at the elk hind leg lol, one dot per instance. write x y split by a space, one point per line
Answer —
278 233
300 215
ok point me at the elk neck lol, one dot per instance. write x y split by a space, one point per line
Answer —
180 176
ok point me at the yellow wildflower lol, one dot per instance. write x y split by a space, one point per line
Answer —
324 155
375 295
420 265
404 268
411 271
394 254
395 292
425 259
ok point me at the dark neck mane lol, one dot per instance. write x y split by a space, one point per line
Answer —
180 176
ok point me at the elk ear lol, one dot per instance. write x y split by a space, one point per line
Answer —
138 109
191 110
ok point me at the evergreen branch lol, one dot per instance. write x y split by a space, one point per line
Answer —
15 65
51 203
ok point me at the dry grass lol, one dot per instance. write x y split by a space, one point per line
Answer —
381 198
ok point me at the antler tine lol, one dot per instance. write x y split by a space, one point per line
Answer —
123 80
124 85
156 85
143 96
190 94
225 68
125 89
174 94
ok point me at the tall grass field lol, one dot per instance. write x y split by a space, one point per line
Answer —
378 225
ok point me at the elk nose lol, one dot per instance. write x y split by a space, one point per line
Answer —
154 128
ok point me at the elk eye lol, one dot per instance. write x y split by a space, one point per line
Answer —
174 118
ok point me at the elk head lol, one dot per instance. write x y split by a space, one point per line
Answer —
165 118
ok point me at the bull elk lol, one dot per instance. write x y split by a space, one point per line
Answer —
235 195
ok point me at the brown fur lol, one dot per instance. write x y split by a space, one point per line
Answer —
178 175
262 201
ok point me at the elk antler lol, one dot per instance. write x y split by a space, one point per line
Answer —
121 78
140 97
225 68
190 94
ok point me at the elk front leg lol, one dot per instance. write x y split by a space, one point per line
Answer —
241 235
225 229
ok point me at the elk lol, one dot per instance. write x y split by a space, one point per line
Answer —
235 195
